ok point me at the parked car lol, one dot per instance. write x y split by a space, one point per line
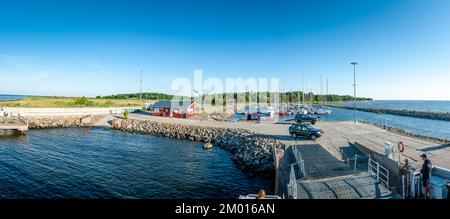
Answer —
306 118
303 130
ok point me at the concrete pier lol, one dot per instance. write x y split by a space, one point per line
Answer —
13 125
372 138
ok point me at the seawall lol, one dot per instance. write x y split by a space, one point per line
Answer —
252 153
66 112
62 121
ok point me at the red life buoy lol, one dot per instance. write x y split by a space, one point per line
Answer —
401 147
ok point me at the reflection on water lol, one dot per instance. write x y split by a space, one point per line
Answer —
98 163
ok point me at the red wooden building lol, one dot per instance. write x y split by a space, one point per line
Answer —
177 109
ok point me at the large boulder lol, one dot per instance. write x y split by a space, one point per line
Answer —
86 121
117 123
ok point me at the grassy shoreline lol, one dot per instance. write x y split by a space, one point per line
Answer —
66 102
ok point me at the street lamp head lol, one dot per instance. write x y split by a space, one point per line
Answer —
354 63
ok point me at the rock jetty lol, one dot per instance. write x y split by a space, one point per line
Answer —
398 112
407 133
252 153
61 122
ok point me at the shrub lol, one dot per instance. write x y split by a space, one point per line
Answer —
81 101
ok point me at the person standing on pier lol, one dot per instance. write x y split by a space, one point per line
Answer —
425 171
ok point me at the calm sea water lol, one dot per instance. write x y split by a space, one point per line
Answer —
99 163
5 97
429 105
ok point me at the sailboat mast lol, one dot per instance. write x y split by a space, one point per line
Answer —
281 91
140 88
290 95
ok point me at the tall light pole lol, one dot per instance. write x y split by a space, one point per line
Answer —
303 93
354 90
140 89
298 96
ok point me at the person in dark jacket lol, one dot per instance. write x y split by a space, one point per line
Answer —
425 171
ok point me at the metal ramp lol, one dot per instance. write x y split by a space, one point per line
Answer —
317 174
318 163
354 186
350 153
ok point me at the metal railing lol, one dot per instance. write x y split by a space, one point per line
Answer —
301 165
292 185
345 157
253 196
378 171
357 158
23 119
415 183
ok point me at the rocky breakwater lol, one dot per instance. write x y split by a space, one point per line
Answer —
252 153
61 122
407 133
398 112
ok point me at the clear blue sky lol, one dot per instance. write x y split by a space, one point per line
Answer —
91 48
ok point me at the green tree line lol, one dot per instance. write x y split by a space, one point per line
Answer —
248 97
285 97
145 96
